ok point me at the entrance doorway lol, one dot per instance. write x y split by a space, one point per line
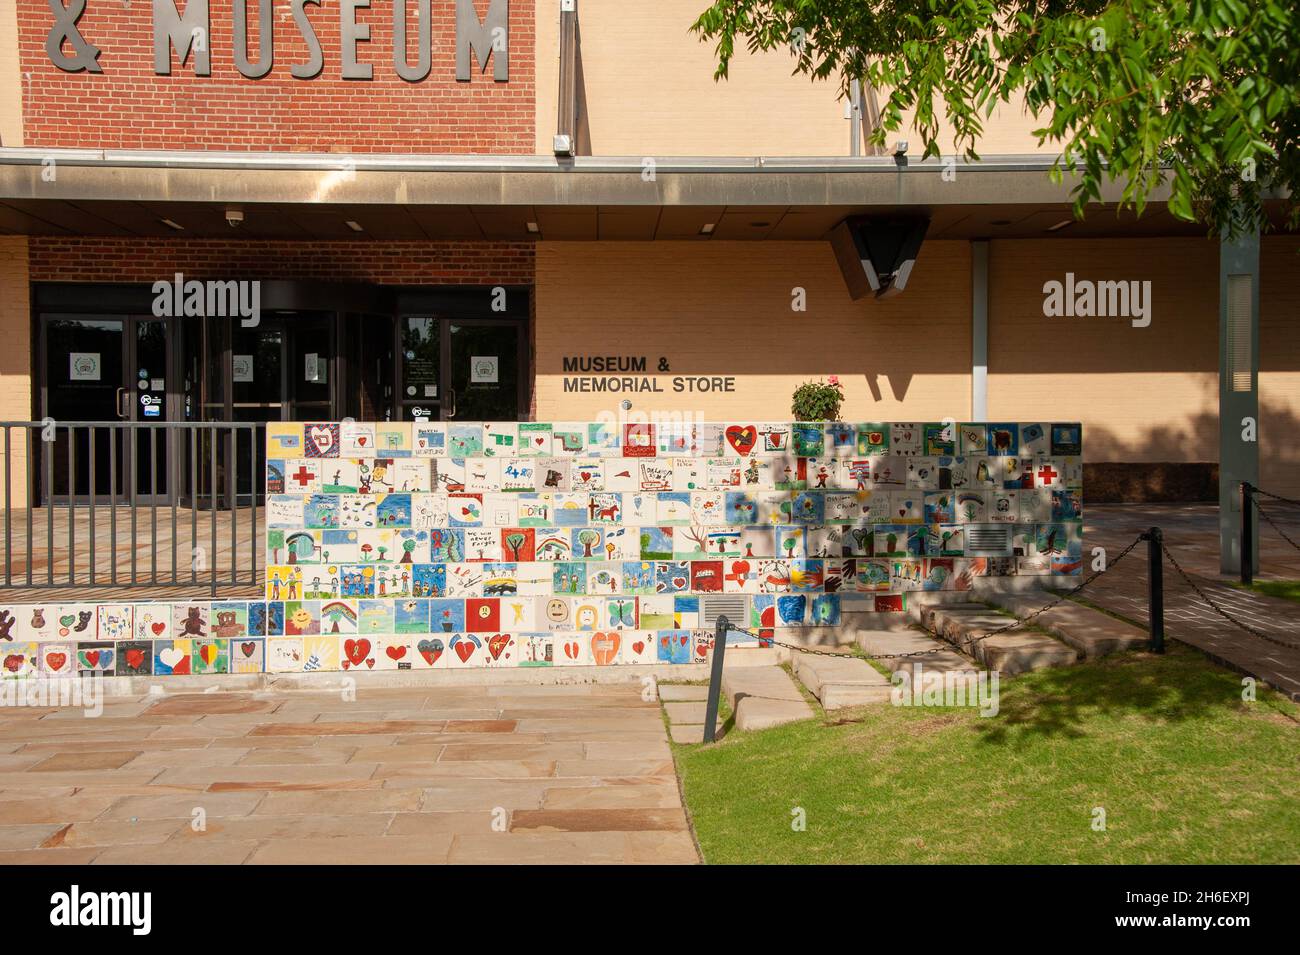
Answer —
106 368
316 352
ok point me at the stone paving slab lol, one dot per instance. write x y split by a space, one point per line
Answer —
401 775
1191 533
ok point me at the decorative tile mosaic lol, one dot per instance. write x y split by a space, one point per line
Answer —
432 545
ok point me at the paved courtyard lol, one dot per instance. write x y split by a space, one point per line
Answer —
1191 535
516 774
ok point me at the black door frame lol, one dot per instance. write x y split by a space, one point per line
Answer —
464 305
124 396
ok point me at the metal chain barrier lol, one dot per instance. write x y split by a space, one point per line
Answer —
1219 610
1268 517
1276 497
943 648
1157 549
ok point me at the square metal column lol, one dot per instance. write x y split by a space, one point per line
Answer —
1238 388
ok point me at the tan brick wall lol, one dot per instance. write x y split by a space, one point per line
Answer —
1143 394
15 358
650 89
650 92
1279 365
11 84
724 309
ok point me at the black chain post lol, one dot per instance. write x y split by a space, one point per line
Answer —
1156 588
1246 546
715 678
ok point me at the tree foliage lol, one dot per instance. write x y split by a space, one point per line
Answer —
1202 96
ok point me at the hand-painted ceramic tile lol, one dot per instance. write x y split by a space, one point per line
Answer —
247 656
19 661
57 659
357 653
97 657
284 440
134 658
172 657
284 655
320 653
605 647
573 649
211 656
321 440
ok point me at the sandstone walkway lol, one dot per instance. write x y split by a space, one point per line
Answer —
505 774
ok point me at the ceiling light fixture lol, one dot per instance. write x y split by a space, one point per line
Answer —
172 225
707 228
532 227
1060 225
354 225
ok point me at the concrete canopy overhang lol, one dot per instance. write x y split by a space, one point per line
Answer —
297 195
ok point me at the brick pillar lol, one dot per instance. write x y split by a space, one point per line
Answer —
15 362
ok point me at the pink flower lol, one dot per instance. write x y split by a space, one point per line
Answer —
834 380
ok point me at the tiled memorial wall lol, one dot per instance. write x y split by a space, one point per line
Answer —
397 545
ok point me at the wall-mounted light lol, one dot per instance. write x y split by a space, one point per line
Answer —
172 225
354 225
707 228
533 228
1060 225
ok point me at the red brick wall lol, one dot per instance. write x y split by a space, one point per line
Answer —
95 259
127 106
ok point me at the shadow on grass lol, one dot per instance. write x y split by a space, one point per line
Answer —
1179 686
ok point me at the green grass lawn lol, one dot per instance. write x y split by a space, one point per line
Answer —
1186 771
1286 589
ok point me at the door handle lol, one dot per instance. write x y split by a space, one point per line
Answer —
117 403
451 397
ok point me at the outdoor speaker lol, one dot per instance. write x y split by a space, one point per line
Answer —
876 253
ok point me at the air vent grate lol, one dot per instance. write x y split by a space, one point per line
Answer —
988 540
734 606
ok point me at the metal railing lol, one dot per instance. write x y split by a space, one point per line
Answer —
126 504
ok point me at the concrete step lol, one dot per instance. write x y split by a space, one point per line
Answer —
1091 632
922 610
841 681
1013 652
885 644
673 693
763 696
751 657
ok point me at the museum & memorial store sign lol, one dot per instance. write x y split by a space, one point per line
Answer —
627 373
188 35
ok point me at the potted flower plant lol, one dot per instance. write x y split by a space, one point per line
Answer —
818 400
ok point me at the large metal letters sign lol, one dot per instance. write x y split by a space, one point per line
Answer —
187 33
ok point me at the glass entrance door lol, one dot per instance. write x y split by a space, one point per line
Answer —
105 368
148 354
461 370
84 380
484 371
